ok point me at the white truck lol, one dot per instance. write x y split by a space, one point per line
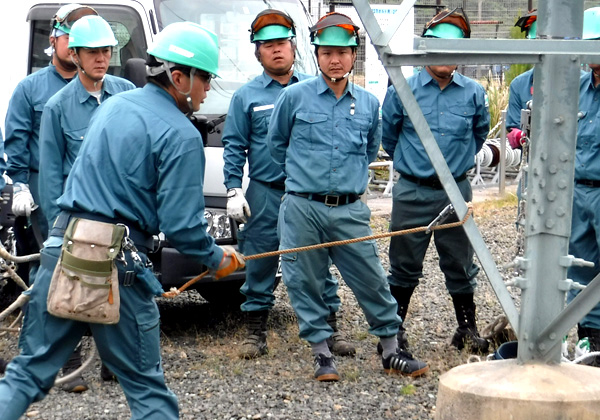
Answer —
136 23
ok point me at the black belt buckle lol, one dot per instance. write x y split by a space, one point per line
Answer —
332 200
435 183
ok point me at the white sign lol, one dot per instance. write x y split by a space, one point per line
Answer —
376 78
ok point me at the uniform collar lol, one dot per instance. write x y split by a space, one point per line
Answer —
323 87
589 78
267 80
83 94
426 78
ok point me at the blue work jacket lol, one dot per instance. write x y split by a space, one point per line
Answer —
587 156
143 163
323 144
457 116
520 92
64 122
23 118
245 132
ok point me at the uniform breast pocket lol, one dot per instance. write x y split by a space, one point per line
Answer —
311 127
356 141
460 120
37 114
260 122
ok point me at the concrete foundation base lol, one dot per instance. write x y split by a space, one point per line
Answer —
503 390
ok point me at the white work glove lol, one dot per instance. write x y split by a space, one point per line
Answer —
22 203
237 206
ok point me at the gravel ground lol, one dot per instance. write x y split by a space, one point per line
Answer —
199 344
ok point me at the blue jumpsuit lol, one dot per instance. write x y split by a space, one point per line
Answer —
65 119
244 138
585 225
325 149
459 120
22 126
145 170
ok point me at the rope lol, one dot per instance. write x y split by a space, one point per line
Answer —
175 292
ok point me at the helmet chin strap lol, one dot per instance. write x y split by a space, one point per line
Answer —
166 67
337 79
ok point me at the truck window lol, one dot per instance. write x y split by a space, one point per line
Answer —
124 21
230 20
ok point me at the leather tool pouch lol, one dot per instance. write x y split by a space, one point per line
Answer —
85 284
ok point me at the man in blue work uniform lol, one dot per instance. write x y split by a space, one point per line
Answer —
136 171
65 120
585 224
23 122
521 87
244 137
3 362
323 134
456 110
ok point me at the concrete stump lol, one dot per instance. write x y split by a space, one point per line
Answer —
505 390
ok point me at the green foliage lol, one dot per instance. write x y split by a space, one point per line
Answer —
498 100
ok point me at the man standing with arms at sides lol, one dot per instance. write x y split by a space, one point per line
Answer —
324 132
144 172
23 119
65 120
456 110
244 136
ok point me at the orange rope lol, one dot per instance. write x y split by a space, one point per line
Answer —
174 292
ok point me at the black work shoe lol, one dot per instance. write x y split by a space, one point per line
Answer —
404 363
325 370
402 342
77 384
254 346
106 374
465 336
340 346
3 364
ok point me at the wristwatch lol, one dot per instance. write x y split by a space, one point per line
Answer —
231 192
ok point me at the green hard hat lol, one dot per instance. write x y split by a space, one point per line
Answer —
273 32
68 14
444 30
532 31
91 32
335 36
591 23
187 44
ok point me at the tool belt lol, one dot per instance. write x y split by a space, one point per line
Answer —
85 283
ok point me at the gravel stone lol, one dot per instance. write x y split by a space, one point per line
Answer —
199 345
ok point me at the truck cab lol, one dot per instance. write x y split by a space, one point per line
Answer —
135 24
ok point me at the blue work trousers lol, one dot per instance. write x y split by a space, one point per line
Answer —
130 349
260 235
304 222
414 206
584 243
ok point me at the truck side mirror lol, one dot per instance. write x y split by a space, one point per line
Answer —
135 71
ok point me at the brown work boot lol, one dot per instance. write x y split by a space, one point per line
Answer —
337 342
255 343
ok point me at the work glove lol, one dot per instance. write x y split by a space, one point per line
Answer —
516 138
237 206
232 261
22 203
